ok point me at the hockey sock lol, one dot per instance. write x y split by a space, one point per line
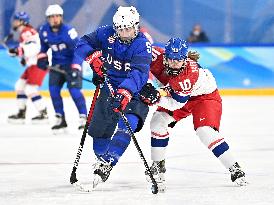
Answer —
38 102
79 100
159 135
158 146
21 101
120 140
57 102
100 145
214 142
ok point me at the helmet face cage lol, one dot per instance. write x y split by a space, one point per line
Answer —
175 49
23 17
126 17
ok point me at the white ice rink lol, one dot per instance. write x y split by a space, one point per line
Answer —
35 165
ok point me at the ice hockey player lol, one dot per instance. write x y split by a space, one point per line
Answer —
28 84
124 55
190 90
62 39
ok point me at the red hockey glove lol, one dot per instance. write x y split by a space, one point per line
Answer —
96 63
121 99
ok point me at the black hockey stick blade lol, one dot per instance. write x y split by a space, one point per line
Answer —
73 177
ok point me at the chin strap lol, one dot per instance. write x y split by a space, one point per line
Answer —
171 71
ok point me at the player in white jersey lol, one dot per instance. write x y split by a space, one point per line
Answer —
189 90
28 84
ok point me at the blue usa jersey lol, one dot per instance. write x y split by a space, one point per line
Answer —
127 64
62 44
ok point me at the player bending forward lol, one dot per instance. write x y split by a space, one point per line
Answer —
190 90
127 55
32 78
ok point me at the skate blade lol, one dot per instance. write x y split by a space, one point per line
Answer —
82 188
96 180
241 181
39 122
16 122
161 187
59 131
160 178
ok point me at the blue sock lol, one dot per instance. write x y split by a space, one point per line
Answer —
57 101
120 140
79 100
100 146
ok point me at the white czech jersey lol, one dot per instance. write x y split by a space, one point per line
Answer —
30 45
205 84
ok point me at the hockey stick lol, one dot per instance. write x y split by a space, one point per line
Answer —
154 187
73 178
57 69
5 40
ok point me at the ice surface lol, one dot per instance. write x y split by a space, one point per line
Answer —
35 165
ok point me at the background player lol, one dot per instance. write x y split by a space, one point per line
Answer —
127 56
190 90
28 84
62 39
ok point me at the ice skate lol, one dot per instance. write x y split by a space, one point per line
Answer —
158 170
18 118
60 125
238 175
82 121
41 118
101 172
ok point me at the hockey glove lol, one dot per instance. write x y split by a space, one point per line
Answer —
96 63
149 95
172 124
13 52
23 62
121 99
43 61
74 73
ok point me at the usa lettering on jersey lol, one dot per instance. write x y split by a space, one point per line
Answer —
118 65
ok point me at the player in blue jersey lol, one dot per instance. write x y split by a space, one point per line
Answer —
126 55
61 39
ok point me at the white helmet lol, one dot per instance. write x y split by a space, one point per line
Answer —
126 17
54 9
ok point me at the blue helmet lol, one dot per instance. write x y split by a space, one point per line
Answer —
22 16
176 49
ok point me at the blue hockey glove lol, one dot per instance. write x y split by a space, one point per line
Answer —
74 73
43 61
121 99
